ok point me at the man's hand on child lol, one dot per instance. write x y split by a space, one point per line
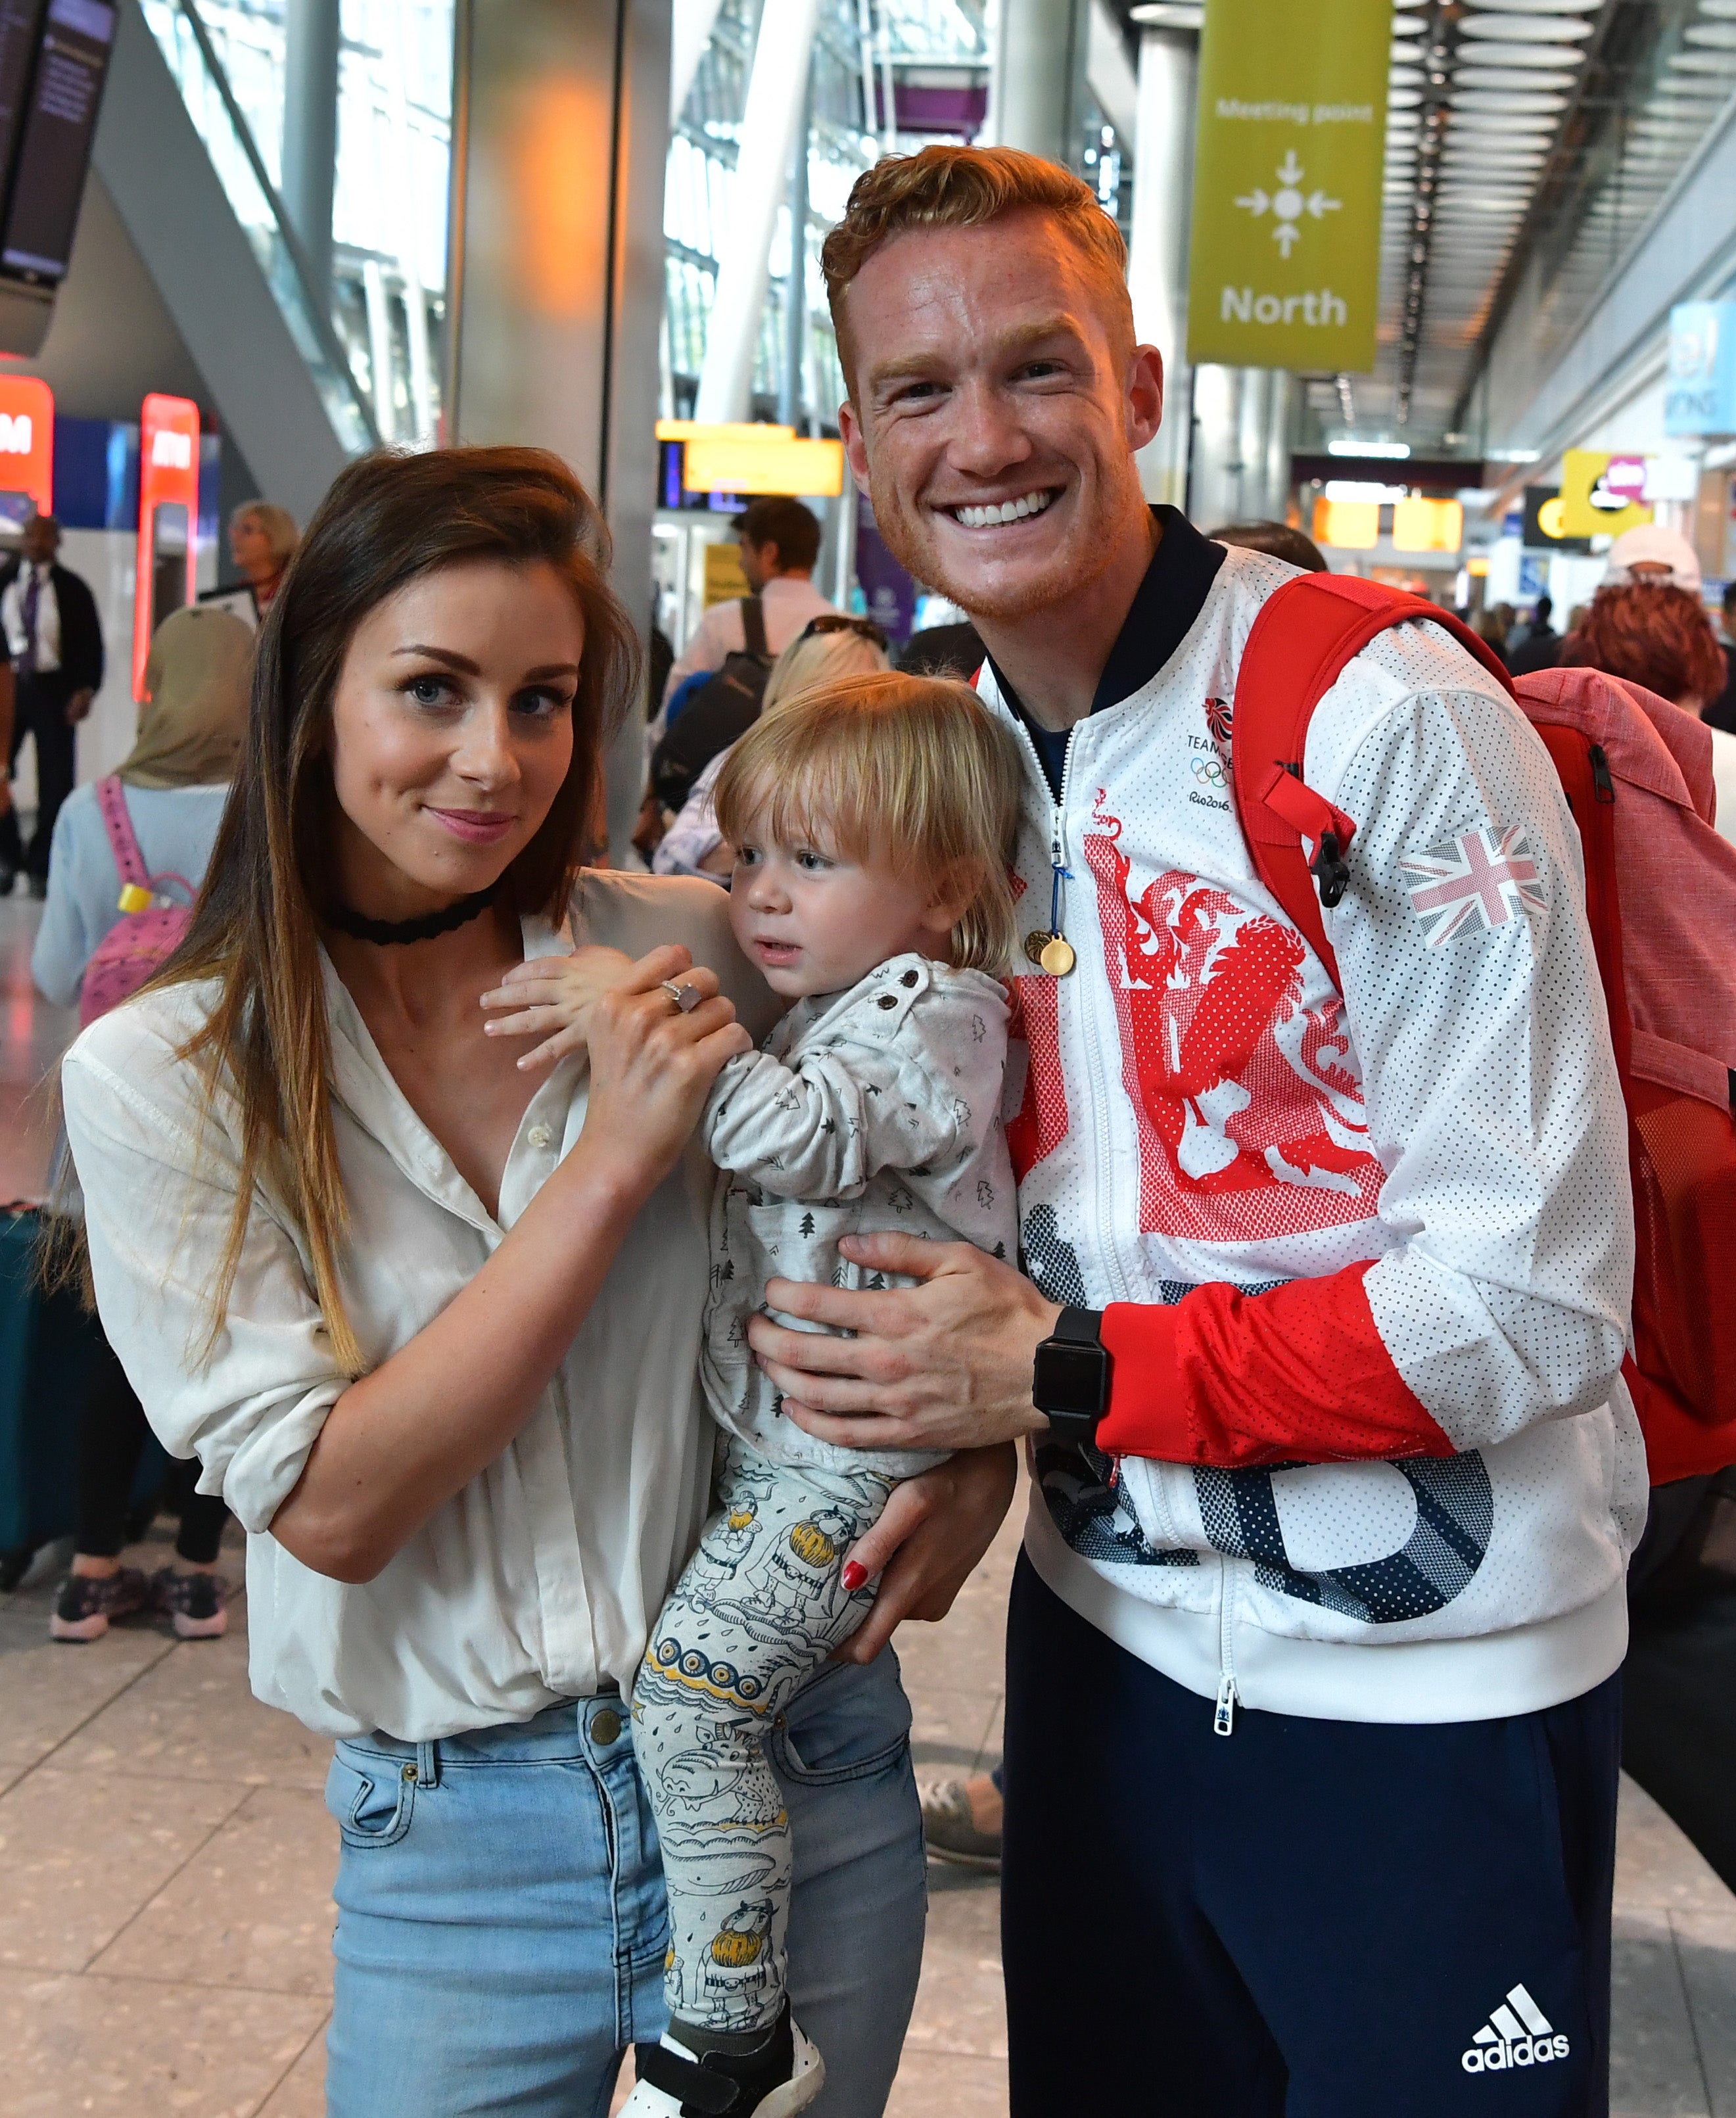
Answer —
553 997
944 1365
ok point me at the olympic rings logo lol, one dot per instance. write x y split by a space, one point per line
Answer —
1209 771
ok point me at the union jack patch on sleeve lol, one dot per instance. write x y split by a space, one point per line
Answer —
1484 875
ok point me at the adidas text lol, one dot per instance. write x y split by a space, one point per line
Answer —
1525 2051
1518 2033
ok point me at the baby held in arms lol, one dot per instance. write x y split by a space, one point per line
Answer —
872 819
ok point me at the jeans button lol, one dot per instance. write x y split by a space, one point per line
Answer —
410 1772
605 1728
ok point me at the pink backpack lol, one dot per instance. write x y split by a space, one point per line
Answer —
150 927
1660 899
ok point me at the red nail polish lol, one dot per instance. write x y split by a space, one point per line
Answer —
855 1574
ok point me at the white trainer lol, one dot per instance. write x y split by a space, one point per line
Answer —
675 2082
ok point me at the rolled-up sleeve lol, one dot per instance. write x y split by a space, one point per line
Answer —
160 1188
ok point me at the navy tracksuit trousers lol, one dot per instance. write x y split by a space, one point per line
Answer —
1304 1919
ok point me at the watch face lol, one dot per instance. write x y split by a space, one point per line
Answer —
1069 1378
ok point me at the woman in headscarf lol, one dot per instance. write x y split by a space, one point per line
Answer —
174 783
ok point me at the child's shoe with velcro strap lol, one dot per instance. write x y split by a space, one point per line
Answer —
781 2075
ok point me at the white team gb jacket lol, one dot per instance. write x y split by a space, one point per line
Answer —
1366 1266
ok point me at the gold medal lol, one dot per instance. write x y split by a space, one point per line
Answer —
1057 957
1035 942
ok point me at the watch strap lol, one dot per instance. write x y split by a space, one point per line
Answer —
1079 1327
1078 1423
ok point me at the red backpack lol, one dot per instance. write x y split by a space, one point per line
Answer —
1660 897
151 925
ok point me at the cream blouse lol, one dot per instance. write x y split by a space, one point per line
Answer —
542 1577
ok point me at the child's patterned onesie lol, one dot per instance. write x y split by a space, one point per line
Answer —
874 1110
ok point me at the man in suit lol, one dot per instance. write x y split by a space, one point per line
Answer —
53 640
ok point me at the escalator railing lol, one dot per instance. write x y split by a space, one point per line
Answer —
192 59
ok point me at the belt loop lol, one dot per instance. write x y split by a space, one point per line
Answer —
427 1764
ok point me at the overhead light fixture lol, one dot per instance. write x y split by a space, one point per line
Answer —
1360 492
1347 448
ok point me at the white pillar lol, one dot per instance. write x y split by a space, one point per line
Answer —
1157 260
1250 431
691 26
775 89
379 349
410 264
1214 493
1043 48
1278 420
311 42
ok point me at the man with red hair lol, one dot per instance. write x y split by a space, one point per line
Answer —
1311 1722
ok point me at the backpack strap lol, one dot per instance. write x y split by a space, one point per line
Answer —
753 628
1305 634
1584 773
129 858
111 798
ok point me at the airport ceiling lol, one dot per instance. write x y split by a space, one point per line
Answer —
1528 141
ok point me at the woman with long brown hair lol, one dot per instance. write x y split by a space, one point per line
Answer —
430 1322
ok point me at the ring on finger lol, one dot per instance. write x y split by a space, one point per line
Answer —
686 998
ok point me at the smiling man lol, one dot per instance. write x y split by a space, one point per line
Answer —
1312 1722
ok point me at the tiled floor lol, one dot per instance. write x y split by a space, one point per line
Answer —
166 1861
166 1865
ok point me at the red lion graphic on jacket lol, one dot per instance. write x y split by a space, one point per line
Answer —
1251 1121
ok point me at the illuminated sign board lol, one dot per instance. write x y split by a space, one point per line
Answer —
27 440
1600 493
21 27
54 150
1699 397
169 509
813 468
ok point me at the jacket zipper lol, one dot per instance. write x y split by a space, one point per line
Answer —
1224 1716
1223 1720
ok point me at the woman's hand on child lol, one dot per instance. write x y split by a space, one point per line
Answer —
554 997
652 1064
932 1531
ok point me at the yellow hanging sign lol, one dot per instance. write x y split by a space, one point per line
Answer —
1600 494
1285 267
724 580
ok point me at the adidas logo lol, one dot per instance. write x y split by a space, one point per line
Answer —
1517 2034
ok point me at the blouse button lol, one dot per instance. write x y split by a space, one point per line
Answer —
540 1135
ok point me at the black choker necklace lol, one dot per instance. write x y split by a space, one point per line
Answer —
385 931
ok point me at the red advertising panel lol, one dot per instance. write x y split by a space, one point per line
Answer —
27 440
168 510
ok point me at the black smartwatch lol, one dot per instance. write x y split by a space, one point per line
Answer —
1070 1380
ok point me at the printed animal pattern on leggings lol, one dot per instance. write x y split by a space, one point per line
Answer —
758 1608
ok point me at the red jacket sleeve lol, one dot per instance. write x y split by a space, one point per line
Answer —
1299 1374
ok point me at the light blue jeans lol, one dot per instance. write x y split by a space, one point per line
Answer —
503 1922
